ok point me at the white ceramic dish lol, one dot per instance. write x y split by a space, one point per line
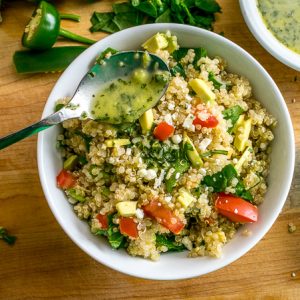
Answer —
175 265
258 28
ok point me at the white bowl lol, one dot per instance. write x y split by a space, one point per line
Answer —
258 28
173 265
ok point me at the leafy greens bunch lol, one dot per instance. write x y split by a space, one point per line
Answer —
200 13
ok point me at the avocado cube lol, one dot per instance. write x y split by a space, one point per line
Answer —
117 142
70 162
172 44
185 198
238 123
202 90
243 158
146 121
192 153
242 135
155 43
126 208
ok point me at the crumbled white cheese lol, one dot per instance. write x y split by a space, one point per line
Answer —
204 144
168 119
128 151
168 198
176 139
160 179
151 174
171 106
139 213
188 123
142 173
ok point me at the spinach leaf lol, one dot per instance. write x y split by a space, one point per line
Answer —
198 13
221 180
182 52
210 6
233 113
169 242
113 234
9 239
165 17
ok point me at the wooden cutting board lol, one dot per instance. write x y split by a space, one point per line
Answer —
45 263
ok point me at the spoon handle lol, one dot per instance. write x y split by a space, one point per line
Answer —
45 123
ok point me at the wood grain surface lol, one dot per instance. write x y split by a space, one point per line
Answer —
45 264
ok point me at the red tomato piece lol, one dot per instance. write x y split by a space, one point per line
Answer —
236 209
103 220
163 216
163 131
128 227
210 122
65 179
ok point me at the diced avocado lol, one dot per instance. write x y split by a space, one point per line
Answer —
185 198
243 158
126 208
146 121
251 180
117 142
141 76
238 123
76 195
172 44
156 42
70 162
192 153
202 90
242 135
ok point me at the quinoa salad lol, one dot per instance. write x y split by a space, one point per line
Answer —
186 175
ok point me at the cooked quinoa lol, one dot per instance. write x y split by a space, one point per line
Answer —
141 171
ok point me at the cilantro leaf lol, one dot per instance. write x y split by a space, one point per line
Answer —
113 234
169 242
210 6
233 113
221 180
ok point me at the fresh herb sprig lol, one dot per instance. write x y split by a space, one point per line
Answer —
9 239
223 179
113 234
169 242
200 13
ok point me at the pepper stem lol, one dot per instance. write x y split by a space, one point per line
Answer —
72 36
72 17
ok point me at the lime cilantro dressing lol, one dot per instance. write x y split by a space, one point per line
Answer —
125 99
282 18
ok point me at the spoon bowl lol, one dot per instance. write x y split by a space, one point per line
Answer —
107 70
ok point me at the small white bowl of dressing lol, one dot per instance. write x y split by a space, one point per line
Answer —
276 27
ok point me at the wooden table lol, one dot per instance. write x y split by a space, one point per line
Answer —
45 263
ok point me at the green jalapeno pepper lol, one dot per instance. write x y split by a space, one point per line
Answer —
43 29
52 60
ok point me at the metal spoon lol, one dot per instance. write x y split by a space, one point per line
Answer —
117 66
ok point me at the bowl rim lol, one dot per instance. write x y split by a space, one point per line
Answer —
258 28
239 252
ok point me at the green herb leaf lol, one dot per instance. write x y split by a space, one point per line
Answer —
232 114
217 84
169 242
114 236
221 180
105 52
212 152
9 239
178 69
210 6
